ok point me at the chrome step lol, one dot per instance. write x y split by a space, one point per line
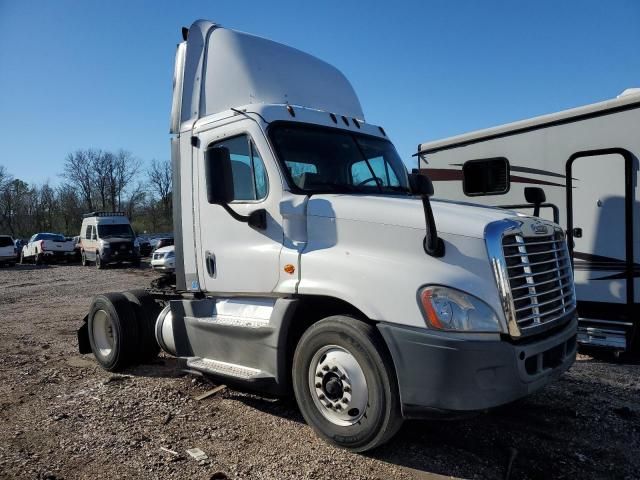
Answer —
216 367
602 337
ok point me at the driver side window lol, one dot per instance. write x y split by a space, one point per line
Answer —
248 171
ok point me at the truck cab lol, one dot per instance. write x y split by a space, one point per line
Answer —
310 262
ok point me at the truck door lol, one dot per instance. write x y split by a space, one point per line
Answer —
601 227
233 256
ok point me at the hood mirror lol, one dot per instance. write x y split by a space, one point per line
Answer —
421 185
535 196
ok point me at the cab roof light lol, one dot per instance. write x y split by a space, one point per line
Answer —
382 131
344 119
333 117
291 111
356 122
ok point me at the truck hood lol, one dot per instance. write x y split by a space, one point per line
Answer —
452 218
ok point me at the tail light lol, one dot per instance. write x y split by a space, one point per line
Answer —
42 245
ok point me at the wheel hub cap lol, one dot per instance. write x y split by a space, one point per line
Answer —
103 332
338 385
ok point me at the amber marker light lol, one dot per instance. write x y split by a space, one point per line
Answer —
290 269
432 316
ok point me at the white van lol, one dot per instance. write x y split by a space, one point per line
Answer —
107 237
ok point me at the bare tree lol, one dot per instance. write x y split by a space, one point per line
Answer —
160 183
78 171
6 200
125 168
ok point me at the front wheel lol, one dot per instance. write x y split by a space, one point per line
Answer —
99 264
345 384
38 259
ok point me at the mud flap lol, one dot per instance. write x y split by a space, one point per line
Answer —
84 346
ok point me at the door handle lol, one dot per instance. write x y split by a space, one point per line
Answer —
210 262
577 233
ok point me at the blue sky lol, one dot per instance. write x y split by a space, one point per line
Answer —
98 74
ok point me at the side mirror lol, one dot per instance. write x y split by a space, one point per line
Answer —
219 176
534 195
420 184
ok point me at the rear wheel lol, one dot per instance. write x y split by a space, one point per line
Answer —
345 384
38 259
113 331
21 258
83 259
147 311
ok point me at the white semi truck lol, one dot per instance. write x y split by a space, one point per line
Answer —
308 261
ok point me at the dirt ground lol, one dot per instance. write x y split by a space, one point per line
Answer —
61 416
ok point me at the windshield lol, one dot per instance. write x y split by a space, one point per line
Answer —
6 242
326 160
117 230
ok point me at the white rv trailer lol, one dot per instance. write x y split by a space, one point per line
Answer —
586 160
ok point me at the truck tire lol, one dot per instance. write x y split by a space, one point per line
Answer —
99 264
113 331
147 311
345 384
21 258
83 259
38 259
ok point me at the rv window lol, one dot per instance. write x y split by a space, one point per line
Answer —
489 176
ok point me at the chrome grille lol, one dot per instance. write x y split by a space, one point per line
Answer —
540 279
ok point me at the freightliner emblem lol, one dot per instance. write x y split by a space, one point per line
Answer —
539 228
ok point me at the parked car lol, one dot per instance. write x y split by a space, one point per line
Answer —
164 259
76 248
107 237
45 247
19 243
145 246
7 251
163 242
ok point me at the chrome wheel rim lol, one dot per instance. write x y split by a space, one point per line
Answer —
103 333
338 386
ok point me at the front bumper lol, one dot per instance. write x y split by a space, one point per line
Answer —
163 267
108 256
440 373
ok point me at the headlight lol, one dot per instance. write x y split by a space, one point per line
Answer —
450 309
136 243
104 244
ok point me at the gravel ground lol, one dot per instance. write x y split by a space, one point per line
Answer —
61 416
